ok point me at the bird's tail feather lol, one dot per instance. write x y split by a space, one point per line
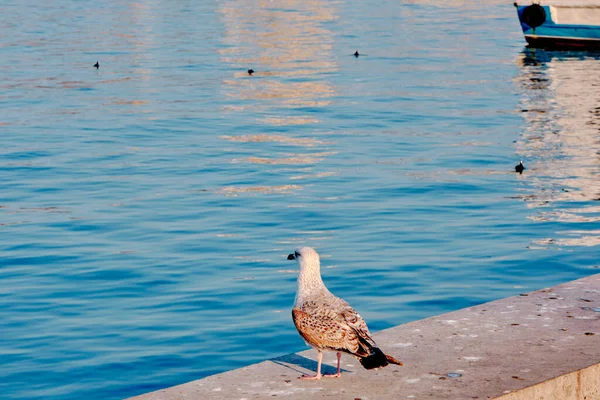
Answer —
392 360
374 360
377 359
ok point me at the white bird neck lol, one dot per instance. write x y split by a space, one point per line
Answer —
309 283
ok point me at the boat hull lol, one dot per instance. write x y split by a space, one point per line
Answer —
562 43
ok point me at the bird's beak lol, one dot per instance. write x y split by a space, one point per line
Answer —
291 257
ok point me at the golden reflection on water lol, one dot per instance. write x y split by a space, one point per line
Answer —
279 40
316 175
561 141
289 47
129 102
309 142
237 190
295 159
288 160
280 121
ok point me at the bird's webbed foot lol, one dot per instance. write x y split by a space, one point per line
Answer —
311 377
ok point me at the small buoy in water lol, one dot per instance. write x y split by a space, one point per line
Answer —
250 71
356 53
97 65
520 167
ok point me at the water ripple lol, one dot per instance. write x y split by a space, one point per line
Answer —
148 206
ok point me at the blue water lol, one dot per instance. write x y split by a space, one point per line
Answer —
147 207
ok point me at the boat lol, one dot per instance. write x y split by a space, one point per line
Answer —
561 24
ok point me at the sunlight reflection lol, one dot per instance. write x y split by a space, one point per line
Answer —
561 142
287 160
290 121
309 142
283 47
288 45
317 175
294 159
235 191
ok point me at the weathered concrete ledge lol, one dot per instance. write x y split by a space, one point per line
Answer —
540 345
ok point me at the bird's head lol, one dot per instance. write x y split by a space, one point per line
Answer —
306 257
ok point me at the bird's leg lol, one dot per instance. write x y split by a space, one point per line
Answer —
338 373
318 375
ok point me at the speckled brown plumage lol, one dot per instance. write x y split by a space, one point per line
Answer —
327 322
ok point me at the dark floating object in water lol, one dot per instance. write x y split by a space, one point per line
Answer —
356 54
250 71
520 167
97 65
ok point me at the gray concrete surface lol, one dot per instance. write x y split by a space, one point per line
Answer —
540 345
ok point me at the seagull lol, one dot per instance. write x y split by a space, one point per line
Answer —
97 65
250 71
520 167
327 322
356 54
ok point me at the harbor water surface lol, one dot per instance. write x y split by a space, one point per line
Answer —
147 207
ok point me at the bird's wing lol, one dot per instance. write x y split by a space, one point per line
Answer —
358 325
322 331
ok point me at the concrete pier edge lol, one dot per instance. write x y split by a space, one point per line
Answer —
539 345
